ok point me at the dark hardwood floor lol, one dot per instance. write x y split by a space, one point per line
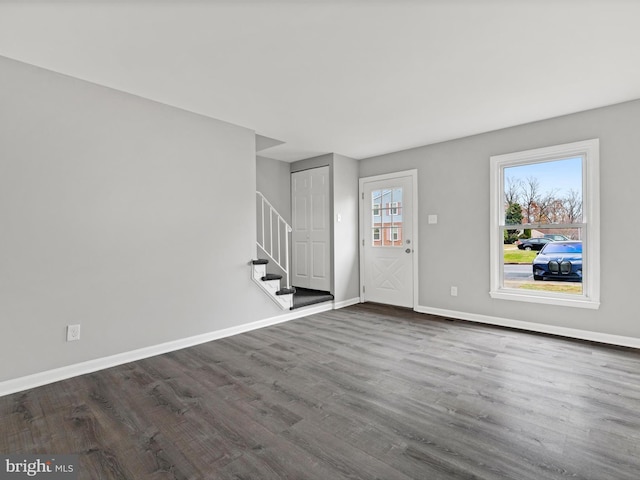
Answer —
365 392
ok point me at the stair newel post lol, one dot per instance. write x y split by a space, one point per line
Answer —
263 227
279 246
271 231
286 250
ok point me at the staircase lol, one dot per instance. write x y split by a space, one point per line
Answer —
273 240
270 283
289 298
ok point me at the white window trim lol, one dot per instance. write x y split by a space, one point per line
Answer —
589 151
376 207
393 208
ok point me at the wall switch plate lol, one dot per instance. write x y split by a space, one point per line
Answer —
432 219
454 291
73 333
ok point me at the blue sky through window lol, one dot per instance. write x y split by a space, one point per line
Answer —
559 175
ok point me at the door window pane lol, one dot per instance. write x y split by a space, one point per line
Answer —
386 217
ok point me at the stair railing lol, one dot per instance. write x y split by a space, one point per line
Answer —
267 213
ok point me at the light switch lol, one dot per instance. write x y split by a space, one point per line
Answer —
433 219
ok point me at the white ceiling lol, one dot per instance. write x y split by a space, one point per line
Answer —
355 77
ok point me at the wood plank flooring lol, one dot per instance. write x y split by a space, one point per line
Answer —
365 392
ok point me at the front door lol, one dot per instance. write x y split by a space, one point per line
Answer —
388 246
311 236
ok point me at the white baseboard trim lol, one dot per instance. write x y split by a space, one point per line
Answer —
346 303
8 387
619 340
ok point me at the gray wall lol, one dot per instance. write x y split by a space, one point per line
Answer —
345 238
453 182
132 218
273 179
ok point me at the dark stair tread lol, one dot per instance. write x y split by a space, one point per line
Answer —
271 276
286 291
305 297
260 261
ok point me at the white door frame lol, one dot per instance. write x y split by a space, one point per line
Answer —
414 218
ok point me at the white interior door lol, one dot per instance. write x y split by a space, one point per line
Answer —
388 240
311 236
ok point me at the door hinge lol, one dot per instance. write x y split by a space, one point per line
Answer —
363 242
362 288
363 195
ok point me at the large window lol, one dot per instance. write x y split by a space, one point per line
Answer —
545 225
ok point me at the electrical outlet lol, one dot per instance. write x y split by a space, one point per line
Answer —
454 291
73 333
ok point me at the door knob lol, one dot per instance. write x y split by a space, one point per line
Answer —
408 250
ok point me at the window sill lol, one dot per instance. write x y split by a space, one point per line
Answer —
580 302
